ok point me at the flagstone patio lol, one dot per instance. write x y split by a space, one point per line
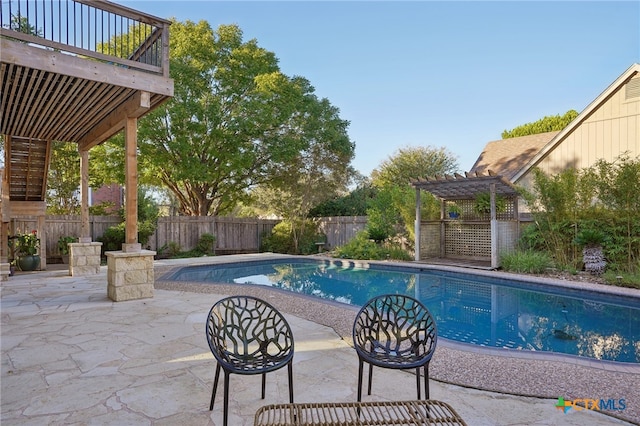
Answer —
71 356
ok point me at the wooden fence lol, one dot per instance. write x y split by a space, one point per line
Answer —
233 235
340 229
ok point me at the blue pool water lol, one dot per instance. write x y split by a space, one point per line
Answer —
468 308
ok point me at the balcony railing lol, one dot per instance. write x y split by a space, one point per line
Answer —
100 30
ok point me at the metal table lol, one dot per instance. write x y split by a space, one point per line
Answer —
422 412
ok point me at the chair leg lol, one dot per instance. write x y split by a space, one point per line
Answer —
360 368
370 378
215 387
418 382
290 374
426 381
264 384
226 399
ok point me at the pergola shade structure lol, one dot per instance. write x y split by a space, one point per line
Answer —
475 236
63 79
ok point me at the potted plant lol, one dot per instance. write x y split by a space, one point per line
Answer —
591 241
27 246
454 211
483 203
63 247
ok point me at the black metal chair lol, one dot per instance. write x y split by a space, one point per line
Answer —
248 336
394 331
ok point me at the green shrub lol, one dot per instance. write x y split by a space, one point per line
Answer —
145 231
623 279
362 247
281 239
206 244
172 249
589 238
114 236
529 261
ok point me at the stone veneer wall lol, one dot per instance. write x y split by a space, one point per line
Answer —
84 258
130 275
4 271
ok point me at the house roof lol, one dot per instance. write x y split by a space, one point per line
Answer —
506 157
514 157
504 161
631 72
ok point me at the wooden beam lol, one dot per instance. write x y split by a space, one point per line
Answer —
53 61
28 208
85 231
137 105
131 183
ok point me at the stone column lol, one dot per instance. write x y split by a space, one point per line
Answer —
84 258
130 275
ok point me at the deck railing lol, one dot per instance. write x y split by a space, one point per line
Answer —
100 30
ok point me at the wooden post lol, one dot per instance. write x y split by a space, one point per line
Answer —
85 231
443 230
416 231
131 186
493 228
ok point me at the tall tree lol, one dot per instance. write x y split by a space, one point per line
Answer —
316 173
63 180
235 122
392 178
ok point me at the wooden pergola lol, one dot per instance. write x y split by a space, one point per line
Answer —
476 234
61 80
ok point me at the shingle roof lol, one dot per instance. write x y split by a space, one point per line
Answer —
505 157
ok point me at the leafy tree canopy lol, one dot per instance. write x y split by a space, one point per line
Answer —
63 179
414 162
547 124
355 203
235 122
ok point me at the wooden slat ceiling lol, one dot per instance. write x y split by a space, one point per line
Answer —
460 187
40 106
44 105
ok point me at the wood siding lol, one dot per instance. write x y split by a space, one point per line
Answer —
612 129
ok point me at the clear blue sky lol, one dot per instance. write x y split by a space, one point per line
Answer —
441 74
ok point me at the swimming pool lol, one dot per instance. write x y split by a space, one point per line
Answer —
468 308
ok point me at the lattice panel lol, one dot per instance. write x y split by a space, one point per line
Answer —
507 236
468 210
430 240
468 240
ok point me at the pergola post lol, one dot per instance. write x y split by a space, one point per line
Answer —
416 230
493 227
